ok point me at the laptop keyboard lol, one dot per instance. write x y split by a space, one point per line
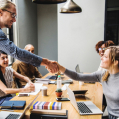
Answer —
13 116
83 108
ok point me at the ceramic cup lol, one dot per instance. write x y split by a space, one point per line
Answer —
44 91
81 83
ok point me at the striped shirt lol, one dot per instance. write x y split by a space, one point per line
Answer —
8 76
11 49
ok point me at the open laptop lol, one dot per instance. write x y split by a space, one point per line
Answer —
85 107
15 115
77 69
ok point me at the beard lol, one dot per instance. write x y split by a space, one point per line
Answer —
8 26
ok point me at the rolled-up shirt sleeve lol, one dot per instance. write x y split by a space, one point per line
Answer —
92 77
11 49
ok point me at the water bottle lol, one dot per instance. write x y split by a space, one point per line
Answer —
59 82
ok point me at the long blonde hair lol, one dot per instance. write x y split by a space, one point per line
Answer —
113 56
6 4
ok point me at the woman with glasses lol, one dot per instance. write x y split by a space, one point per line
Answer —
100 48
108 78
101 45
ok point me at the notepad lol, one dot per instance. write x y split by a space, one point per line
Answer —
13 104
47 105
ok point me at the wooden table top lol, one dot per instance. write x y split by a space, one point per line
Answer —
93 94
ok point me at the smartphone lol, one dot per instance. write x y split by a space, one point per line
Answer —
62 99
22 95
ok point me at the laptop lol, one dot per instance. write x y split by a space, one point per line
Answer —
77 69
84 107
15 115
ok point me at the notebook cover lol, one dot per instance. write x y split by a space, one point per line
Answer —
13 104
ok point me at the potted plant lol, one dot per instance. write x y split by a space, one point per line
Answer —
58 92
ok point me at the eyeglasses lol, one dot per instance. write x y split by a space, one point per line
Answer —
12 14
101 49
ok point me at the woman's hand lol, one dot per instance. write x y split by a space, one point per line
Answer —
61 68
29 88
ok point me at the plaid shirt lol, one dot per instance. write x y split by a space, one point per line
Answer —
11 49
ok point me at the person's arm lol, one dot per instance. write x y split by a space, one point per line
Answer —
21 77
93 77
25 56
6 90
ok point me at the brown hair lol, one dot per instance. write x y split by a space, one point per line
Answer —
6 4
100 43
113 56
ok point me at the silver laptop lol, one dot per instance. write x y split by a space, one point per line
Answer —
15 115
77 69
85 107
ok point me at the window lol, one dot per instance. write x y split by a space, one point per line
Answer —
112 21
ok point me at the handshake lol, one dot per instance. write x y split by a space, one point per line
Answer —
52 66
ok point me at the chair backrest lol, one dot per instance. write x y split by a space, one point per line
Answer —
77 68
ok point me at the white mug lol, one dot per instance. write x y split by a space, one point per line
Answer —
81 83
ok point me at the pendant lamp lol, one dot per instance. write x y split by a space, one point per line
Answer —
48 1
70 7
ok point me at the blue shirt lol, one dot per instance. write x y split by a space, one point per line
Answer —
23 55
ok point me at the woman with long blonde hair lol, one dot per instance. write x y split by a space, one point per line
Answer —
108 78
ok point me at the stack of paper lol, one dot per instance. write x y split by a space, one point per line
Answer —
43 81
37 89
47 105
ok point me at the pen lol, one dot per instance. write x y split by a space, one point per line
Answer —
7 110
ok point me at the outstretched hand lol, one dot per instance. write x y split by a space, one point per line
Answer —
52 67
60 68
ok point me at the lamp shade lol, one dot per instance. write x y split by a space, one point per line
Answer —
48 1
70 7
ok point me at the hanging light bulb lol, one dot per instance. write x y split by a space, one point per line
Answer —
70 7
48 1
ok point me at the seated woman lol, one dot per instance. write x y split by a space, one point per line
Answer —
108 78
6 80
100 48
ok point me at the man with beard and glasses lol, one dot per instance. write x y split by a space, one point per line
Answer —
7 18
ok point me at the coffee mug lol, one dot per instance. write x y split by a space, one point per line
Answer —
44 91
81 83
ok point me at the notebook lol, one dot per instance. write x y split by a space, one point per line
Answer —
84 107
47 105
15 115
13 104
43 81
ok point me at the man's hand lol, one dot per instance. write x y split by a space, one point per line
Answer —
50 65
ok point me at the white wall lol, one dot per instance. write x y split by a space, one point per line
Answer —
47 33
78 33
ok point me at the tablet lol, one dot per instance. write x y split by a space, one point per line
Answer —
80 91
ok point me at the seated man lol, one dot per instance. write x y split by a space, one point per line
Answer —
6 80
25 69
